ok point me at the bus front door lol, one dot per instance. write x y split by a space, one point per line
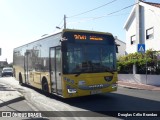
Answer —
55 70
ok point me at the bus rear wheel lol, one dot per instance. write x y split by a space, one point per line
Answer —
45 87
20 79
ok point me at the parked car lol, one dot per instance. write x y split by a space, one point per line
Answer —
7 71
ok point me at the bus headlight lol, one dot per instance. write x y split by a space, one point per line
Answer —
114 86
72 90
108 78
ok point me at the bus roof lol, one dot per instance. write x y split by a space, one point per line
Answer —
85 31
67 30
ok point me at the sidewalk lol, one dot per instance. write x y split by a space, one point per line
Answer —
132 85
12 101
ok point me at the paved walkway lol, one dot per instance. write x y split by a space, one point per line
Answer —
138 86
12 103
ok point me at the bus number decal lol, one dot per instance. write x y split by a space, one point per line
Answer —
80 37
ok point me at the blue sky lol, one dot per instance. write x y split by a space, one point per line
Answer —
24 21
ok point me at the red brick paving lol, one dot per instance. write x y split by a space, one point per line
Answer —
138 86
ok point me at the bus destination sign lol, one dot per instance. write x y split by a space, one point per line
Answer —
84 37
95 38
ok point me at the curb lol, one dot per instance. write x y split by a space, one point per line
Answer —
152 88
130 87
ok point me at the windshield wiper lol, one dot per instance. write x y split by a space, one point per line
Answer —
84 70
76 75
109 70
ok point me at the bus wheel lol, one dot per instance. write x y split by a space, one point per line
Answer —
45 87
20 79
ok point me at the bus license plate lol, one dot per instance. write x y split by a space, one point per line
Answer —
95 92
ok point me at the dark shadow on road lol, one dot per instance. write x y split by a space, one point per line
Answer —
111 104
6 103
114 102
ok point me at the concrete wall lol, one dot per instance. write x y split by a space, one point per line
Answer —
138 78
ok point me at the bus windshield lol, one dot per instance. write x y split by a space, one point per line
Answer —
89 58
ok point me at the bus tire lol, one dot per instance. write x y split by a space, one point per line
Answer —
20 79
45 88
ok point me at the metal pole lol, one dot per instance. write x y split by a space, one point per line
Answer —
138 22
146 67
64 21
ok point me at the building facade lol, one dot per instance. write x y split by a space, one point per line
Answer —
143 26
121 47
3 64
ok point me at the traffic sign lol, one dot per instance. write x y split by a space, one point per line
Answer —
141 48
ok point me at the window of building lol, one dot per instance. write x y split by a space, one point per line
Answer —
150 33
133 39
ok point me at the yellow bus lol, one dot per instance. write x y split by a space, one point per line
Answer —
70 63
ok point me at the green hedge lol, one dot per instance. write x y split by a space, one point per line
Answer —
145 63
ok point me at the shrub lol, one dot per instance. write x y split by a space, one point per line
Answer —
145 63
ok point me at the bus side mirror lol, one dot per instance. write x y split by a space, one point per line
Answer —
117 48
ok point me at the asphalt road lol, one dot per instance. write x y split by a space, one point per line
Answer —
118 105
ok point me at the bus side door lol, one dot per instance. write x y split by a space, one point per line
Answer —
55 70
